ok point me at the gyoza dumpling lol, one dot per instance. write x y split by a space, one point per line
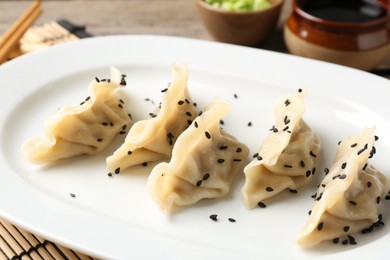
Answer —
286 160
153 139
349 197
204 162
84 129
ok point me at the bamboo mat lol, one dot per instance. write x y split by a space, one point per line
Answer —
16 243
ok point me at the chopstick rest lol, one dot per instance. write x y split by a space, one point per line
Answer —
52 33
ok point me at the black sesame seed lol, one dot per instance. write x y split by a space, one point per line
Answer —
336 240
187 101
188 114
376 138
109 174
261 205
99 139
221 160
343 176
221 122
269 189
369 184
120 106
206 176
353 145
293 191
214 217
378 199
97 80
287 102
352 240
208 136
117 170
343 165
198 183
287 166
238 150
223 147
309 212
352 202
121 101
259 158
319 197
231 219
299 90
308 173
249 123
362 150
122 132
345 242
129 152
164 90
285 129
82 103
72 195
144 164
302 163
320 226
237 160
255 155
274 129
387 197
346 228
313 171
235 96
326 170
312 154
196 124
123 81
181 102
189 122
105 123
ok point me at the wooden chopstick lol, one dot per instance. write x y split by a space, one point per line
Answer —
11 37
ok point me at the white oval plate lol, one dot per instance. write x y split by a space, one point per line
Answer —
115 217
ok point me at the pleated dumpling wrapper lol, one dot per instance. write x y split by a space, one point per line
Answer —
153 139
349 198
287 157
84 129
204 163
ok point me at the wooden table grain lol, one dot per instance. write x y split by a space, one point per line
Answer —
113 17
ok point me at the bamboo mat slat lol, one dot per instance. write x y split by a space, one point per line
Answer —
16 243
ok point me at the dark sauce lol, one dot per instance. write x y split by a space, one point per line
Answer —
347 11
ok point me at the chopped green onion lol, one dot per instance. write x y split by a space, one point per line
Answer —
240 5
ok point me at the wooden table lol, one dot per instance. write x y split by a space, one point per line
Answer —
109 17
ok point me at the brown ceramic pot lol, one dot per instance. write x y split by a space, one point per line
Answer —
244 28
361 45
